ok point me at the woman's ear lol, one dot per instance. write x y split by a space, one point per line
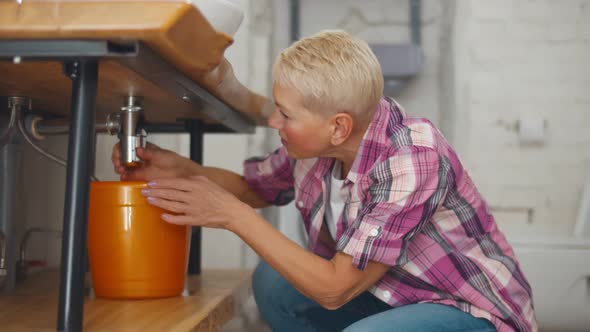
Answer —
342 124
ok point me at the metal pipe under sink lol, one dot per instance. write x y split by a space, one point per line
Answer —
23 263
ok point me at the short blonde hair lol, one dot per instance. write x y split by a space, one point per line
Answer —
334 71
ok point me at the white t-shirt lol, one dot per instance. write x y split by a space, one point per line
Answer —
336 206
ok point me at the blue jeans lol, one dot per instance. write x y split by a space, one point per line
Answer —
284 309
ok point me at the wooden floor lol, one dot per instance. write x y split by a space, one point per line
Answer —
213 299
248 320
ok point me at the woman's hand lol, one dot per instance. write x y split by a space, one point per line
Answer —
195 201
157 163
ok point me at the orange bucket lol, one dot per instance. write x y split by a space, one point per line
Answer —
134 254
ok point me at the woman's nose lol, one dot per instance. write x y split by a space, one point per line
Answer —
274 121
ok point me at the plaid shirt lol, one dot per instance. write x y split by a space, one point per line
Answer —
410 204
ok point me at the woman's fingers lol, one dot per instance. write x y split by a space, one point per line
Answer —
192 201
115 158
167 194
139 174
172 206
144 154
149 152
173 183
178 219
152 146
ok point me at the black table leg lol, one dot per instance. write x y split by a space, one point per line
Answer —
196 130
81 149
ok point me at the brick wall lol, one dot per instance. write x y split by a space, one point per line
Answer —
516 59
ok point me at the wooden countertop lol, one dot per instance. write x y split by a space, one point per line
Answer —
175 30
212 301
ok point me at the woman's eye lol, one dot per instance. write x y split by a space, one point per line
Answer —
283 114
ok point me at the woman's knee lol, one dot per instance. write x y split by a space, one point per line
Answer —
268 287
279 303
421 317
260 279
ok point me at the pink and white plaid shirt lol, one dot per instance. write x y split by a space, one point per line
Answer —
410 204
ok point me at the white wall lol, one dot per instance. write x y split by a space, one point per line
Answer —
44 188
516 59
